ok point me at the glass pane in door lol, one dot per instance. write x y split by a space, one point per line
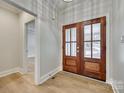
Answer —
96 31
87 33
67 33
73 34
87 49
67 49
73 49
96 50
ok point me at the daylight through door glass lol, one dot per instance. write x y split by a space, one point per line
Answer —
71 42
92 41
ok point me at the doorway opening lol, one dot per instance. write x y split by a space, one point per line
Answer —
30 42
28 38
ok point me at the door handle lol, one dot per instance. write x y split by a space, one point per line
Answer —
77 47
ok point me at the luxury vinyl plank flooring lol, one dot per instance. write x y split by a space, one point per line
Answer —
63 83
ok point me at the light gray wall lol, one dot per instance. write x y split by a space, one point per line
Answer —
9 40
49 37
117 46
85 10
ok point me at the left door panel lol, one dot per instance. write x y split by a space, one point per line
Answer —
71 48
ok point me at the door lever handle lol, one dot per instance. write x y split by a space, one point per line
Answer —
77 47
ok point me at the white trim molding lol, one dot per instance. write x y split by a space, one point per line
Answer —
115 90
11 71
114 87
49 75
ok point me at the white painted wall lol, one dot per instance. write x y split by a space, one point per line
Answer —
86 10
117 46
9 40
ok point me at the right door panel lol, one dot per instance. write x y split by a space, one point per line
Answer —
93 48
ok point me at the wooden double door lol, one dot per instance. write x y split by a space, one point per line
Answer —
84 48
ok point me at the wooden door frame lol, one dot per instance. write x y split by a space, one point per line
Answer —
80 28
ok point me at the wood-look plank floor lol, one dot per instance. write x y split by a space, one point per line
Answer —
63 83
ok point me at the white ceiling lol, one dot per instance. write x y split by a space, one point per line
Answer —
9 7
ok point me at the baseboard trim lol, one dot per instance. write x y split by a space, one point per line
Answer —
114 87
10 71
49 75
20 70
115 90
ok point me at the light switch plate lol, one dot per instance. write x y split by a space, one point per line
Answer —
122 39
